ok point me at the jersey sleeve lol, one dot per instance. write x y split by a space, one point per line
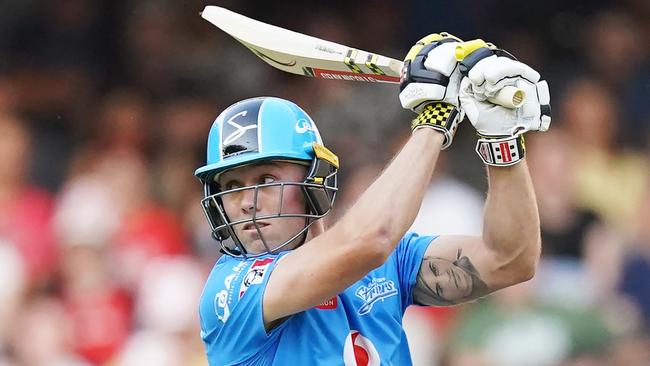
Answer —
408 257
238 335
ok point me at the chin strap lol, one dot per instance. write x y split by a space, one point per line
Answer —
501 151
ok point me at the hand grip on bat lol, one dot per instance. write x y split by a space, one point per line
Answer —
508 96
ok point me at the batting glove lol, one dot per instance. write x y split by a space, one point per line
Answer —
486 71
430 82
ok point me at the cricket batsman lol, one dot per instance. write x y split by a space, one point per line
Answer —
290 291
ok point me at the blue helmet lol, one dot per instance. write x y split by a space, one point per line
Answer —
261 129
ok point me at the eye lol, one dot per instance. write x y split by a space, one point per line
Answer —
267 179
233 184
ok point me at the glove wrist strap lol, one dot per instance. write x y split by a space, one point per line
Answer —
501 150
440 116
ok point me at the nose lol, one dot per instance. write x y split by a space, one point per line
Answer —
247 202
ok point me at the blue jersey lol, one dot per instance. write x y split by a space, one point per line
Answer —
360 326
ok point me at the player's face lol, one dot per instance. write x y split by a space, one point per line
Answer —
270 201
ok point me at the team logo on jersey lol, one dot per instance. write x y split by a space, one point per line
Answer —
359 351
255 274
377 289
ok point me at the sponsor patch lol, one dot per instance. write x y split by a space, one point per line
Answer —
255 274
303 125
223 298
330 304
359 350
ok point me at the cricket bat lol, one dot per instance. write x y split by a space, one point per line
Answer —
310 56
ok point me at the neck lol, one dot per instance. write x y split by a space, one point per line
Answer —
315 229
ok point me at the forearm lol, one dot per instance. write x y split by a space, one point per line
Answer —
388 207
511 228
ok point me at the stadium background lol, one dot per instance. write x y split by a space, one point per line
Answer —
104 113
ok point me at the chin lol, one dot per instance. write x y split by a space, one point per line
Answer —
254 244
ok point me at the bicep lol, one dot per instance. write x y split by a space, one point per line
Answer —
313 273
457 269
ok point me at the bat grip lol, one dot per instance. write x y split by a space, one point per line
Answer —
509 97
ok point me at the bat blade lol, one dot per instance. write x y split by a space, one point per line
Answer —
310 56
302 54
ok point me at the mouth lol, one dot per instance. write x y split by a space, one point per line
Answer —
250 226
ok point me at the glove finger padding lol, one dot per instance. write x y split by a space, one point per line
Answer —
544 97
494 69
492 74
494 120
430 72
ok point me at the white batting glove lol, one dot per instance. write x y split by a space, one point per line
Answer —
494 120
501 129
489 76
429 84
430 72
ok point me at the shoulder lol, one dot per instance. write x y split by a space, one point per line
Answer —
413 243
218 290
408 254
231 301
229 280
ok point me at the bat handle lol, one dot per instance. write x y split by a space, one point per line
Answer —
509 97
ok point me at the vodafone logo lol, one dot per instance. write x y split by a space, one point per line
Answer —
359 351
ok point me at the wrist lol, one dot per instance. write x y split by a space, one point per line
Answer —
441 117
434 135
501 151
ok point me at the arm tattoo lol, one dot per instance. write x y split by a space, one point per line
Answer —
443 282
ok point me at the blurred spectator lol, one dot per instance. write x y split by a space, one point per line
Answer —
614 45
491 332
167 301
12 292
449 206
168 295
7 97
99 312
630 350
25 210
611 37
147 229
146 347
636 266
150 46
564 224
123 122
180 141
44 335
104 108
87 211
610 179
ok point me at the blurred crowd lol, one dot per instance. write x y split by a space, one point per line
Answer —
104 112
